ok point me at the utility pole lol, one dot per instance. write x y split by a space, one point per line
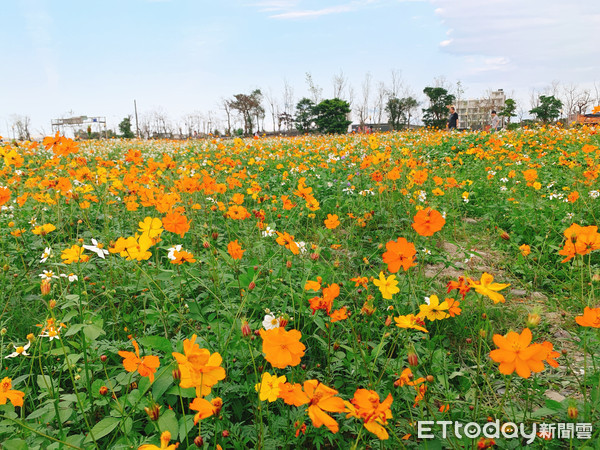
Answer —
137 128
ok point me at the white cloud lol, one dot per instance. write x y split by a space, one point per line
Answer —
301 14
524 42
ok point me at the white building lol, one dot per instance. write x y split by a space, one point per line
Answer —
475 114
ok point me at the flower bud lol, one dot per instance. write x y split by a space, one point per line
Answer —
252 285
314 256
288 264
103 390
504 235
215 235
482 333
3 331
6 267
225 433
52 304
413 359
533 320
153 411
206 244
388 321
572 412
45 287
430 378
199 441
246 331
176 374
469 340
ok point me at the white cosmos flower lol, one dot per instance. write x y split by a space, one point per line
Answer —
172 250
48 275
72 277
270 322
96 248
302 246
19 351
47 253
268 232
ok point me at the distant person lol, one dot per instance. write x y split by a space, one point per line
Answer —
452 120
495 122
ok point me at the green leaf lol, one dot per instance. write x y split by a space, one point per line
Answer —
15 444
93 332
102 428
73 329
44 382
168 421
158 343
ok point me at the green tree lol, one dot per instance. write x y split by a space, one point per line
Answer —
394 111
125 128
332 116
305 115
510 106
249 107
439 100
548 110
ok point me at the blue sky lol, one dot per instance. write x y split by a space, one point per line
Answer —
180 56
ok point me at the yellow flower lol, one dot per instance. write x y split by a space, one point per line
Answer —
487 288
387 286
152 227
74 254
268 388
434 310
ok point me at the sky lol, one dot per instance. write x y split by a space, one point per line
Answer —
63 58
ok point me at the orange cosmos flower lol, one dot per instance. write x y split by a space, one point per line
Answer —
235 250
408 379
588 240
365 405
428 221
151 227
325 302
453 307
590 318
199 368
489 289
525 249
292 394
313 285
237 212
282 348
4 195
400 253
515 353
288 242
176 223
552 355
410 321
7 393
206 408
339 314
165 437
73 255
573 196
332 221
320 399
146 366
182 256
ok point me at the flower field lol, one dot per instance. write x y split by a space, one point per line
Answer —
311 292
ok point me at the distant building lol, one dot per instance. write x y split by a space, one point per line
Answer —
475 114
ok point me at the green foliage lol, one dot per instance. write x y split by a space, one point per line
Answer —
124 128
510 106
439 99
331 116
305 115
399 111
548 109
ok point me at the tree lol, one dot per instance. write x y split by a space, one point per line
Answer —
509 110
125 128
439 100
305 115
331 116
249 107
22 123
548 109
394 111
399 111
